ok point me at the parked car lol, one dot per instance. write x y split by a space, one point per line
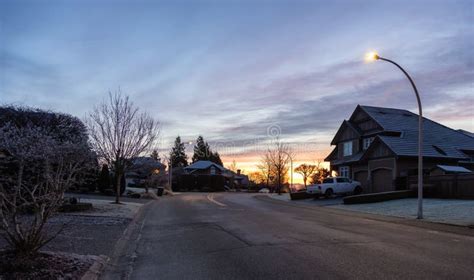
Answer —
335 185
264 190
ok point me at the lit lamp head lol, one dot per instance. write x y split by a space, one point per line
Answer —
371 56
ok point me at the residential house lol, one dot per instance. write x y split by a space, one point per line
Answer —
143 169
379 147
207 175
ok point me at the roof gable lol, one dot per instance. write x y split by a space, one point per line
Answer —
346 131
332 155
378 148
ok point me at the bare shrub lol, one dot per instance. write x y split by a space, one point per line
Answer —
37 167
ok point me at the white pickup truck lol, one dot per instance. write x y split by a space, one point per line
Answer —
335 185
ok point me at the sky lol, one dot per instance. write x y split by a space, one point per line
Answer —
241 73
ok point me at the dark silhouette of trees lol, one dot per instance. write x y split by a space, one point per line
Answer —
307 171
320 173
178 154
154 155
202 151
216 158
104 179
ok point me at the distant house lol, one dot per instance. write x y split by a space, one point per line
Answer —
240 180
141 168
379 147
209 176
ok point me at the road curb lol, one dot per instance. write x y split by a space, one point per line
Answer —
430 225
119 265
96 269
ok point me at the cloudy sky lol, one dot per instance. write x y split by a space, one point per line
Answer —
241 72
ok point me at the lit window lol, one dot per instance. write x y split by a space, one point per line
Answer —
344 171
367 142
348 148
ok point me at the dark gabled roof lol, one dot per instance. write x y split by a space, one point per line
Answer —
466 132
391 119
438 140
203 164
332 155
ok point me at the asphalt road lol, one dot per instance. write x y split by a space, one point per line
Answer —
239 236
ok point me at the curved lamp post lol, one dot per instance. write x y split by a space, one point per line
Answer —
291 169
374 56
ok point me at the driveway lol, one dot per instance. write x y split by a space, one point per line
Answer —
245 236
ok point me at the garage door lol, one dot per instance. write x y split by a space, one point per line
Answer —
382 180
362 177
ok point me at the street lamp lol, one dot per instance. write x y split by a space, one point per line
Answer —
372 56
291 169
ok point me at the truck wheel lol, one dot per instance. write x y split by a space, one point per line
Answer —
357 190
328 193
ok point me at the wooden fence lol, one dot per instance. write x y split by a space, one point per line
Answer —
446 186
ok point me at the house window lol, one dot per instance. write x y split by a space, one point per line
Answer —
213 170
348 148
367 142
344 171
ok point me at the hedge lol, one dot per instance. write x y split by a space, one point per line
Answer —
378 197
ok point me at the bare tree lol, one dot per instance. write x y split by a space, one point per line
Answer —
233 166
37 167
307 171
265 168
119 132
276 159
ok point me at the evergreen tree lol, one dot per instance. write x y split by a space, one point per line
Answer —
178 154
104 179
201 150
154 155
216 158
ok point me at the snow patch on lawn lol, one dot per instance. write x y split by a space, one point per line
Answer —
450 211
105 208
